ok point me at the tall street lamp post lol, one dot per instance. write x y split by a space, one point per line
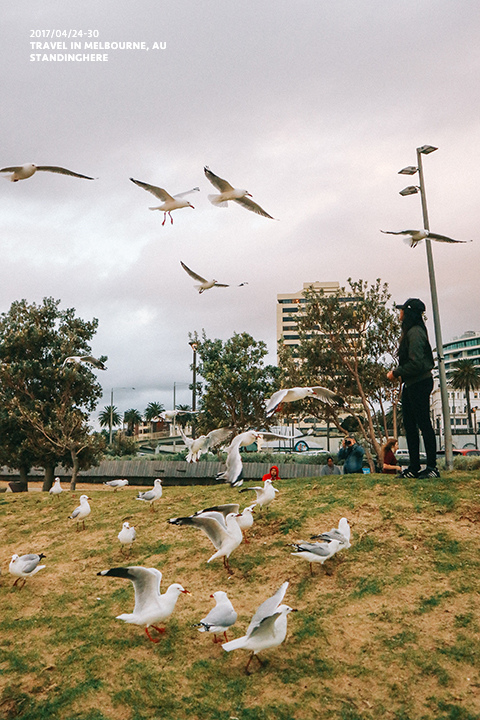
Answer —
194 347
411 190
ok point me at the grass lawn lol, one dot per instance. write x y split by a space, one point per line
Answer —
390 628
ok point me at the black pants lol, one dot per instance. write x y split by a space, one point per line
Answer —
416 417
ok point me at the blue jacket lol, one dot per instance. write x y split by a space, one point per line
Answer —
353 456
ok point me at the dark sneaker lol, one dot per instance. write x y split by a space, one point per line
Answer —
429 472
407 473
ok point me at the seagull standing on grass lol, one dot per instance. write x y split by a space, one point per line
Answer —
81 512
245 521
204 283
127 536
299 393
342 534
150 607
413 237
265 494
151 495
25 566
223 532
227 192
56 488
267 629
316 552
115 484
22 172
220 618
169 202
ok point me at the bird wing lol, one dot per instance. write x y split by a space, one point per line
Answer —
268 607
253 206
320 549
444 238
28 563
223 615
212 524
187 192
399 232
76 512
147 495
327 396
224 509
265 626
188 441
220 285
63 171
216 181
192 274
234 467
218 436
275 401
159 193
14 168
93 361
146 582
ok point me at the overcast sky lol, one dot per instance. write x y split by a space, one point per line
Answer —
313 106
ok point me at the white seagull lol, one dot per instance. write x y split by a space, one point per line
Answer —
413 237
245 521
316 552
268 627
89 359
342 534
81 512
233 472
127 535
56 488
115 484
265 494
223 532
204 443
220 618
227 192
299 393
150 607
204 283
170 202
151 495
22 172
25 566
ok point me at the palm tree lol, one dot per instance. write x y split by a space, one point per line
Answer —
109 415
131 418
152 411
466 376
185 417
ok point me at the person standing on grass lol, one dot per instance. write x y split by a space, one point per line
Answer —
389 464
414 370
352 453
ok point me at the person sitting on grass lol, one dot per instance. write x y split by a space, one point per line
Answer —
330 468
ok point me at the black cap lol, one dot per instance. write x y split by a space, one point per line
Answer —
414 304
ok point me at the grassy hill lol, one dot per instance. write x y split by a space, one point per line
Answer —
390 629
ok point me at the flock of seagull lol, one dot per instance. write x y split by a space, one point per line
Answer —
226 528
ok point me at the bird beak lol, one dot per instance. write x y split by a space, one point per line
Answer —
186 592
212 597
192 207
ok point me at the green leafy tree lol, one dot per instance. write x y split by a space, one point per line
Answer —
236 382
466 376
37 390
184 417
132 418
348 340
152 411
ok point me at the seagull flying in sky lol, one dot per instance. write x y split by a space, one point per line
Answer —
25 566
233 472
76 359
268 627
150 607
204 443
299 393
227 192
22 172
204 283
413 237
170 202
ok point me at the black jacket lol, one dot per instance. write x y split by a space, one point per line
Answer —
416 360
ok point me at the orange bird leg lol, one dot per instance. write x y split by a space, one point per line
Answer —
155 640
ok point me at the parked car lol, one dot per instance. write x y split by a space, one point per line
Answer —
469 452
